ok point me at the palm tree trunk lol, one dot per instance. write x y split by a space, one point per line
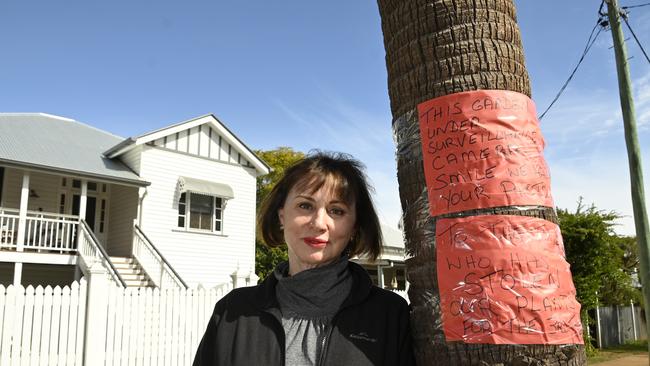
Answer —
435 48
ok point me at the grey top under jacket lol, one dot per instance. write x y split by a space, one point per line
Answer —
308 301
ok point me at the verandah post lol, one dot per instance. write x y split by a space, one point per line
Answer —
22 227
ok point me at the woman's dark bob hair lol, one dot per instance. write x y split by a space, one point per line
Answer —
348 181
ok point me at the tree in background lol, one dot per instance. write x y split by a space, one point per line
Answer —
602 263
266 258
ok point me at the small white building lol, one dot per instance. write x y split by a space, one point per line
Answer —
388 271
175 206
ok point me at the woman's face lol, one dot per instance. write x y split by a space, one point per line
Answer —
317 227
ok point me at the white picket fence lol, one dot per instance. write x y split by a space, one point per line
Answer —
157 327
42 326
403 293
46 326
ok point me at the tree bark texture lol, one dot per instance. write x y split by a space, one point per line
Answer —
435 48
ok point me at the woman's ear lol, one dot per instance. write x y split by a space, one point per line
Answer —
281 216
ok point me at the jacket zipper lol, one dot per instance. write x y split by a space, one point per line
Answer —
328 334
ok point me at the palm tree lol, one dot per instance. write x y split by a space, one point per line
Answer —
435 48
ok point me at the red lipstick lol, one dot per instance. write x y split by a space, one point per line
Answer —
315 242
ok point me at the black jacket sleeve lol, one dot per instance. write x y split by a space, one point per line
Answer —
206 354
406 357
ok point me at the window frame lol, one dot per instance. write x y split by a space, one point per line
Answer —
186 214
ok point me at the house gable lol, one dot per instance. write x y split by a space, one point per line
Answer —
203 141
204 137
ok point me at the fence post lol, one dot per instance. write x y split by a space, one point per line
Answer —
633 320
618 325
96 307
239 277
252 277
599 339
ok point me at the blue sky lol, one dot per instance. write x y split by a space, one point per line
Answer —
308 74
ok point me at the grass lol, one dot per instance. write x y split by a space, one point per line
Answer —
606 354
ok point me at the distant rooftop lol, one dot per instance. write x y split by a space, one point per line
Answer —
392 237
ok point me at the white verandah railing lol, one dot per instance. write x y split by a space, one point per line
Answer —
90 252
43 231
8 228
67 234
154 263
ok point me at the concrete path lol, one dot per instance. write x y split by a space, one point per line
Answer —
632 360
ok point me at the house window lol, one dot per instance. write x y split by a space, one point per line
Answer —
218 210
181 210
200 212
102 216
62 204
90 186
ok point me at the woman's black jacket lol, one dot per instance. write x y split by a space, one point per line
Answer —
371 328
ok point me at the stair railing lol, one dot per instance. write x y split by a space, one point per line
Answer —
154 263
90 252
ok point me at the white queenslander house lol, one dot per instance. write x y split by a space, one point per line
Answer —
172 207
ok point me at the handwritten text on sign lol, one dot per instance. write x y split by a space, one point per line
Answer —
504 280
483 149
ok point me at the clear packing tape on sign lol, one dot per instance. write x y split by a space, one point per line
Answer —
503 279
482 149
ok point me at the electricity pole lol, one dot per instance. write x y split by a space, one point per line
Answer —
633 150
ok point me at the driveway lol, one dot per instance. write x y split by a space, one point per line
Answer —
632 360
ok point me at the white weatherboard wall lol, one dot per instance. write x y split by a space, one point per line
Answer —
123 208
199 258
47 187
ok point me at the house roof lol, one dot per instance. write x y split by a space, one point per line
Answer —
123 146
393 249
392 237
57 144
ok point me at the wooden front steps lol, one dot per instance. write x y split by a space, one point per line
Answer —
131 272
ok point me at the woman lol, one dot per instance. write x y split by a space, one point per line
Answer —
318 308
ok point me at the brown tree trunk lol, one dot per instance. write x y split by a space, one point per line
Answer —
435 48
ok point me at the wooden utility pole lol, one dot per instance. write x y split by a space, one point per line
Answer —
633 149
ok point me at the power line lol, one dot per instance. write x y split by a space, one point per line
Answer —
590 42
635 6
635 37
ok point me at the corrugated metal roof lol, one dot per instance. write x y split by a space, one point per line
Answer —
44 141
392 237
